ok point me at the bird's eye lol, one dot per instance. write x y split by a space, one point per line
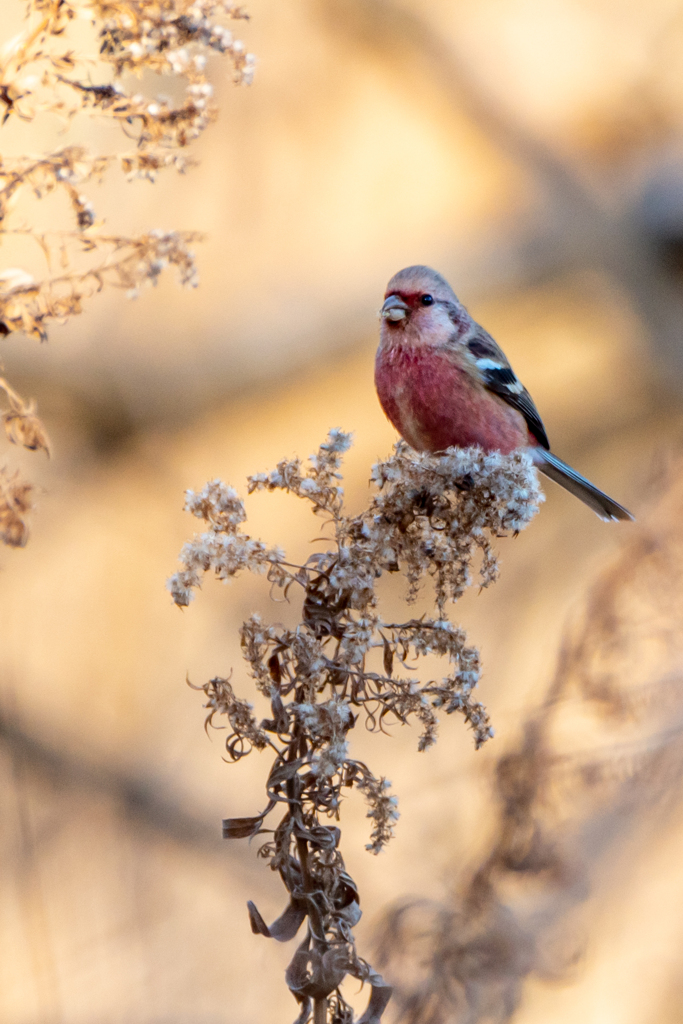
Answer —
427 300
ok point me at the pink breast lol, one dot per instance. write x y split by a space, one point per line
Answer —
434 404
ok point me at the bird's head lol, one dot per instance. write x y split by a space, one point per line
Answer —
420 308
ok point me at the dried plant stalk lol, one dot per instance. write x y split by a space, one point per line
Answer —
431 517
42 71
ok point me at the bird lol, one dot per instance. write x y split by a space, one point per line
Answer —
443 381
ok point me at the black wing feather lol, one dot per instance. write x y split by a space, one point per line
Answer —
503 381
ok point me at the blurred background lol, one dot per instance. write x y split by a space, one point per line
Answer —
533 153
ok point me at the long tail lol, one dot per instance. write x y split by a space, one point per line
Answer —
566 477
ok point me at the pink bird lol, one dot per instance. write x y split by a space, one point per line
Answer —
443 381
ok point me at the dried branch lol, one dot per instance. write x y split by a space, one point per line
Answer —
43 73
431 518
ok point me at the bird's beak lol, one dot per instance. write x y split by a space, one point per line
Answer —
394 308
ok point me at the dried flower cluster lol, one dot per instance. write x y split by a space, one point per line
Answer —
431 518
46 69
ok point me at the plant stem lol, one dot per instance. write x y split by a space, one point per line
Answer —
320 1011
315 917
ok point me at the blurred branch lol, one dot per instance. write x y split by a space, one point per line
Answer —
140 801
32 897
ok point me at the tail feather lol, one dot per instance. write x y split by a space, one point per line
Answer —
583 489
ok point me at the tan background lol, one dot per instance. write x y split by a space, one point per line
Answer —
531 151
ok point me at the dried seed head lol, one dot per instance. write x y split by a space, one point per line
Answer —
430 517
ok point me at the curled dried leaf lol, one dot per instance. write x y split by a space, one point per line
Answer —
287 924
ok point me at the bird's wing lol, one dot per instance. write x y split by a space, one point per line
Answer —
498 376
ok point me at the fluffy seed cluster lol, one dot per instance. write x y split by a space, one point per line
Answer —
223 548
431 518
41 74
28 305
46 70
221 700
383 811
